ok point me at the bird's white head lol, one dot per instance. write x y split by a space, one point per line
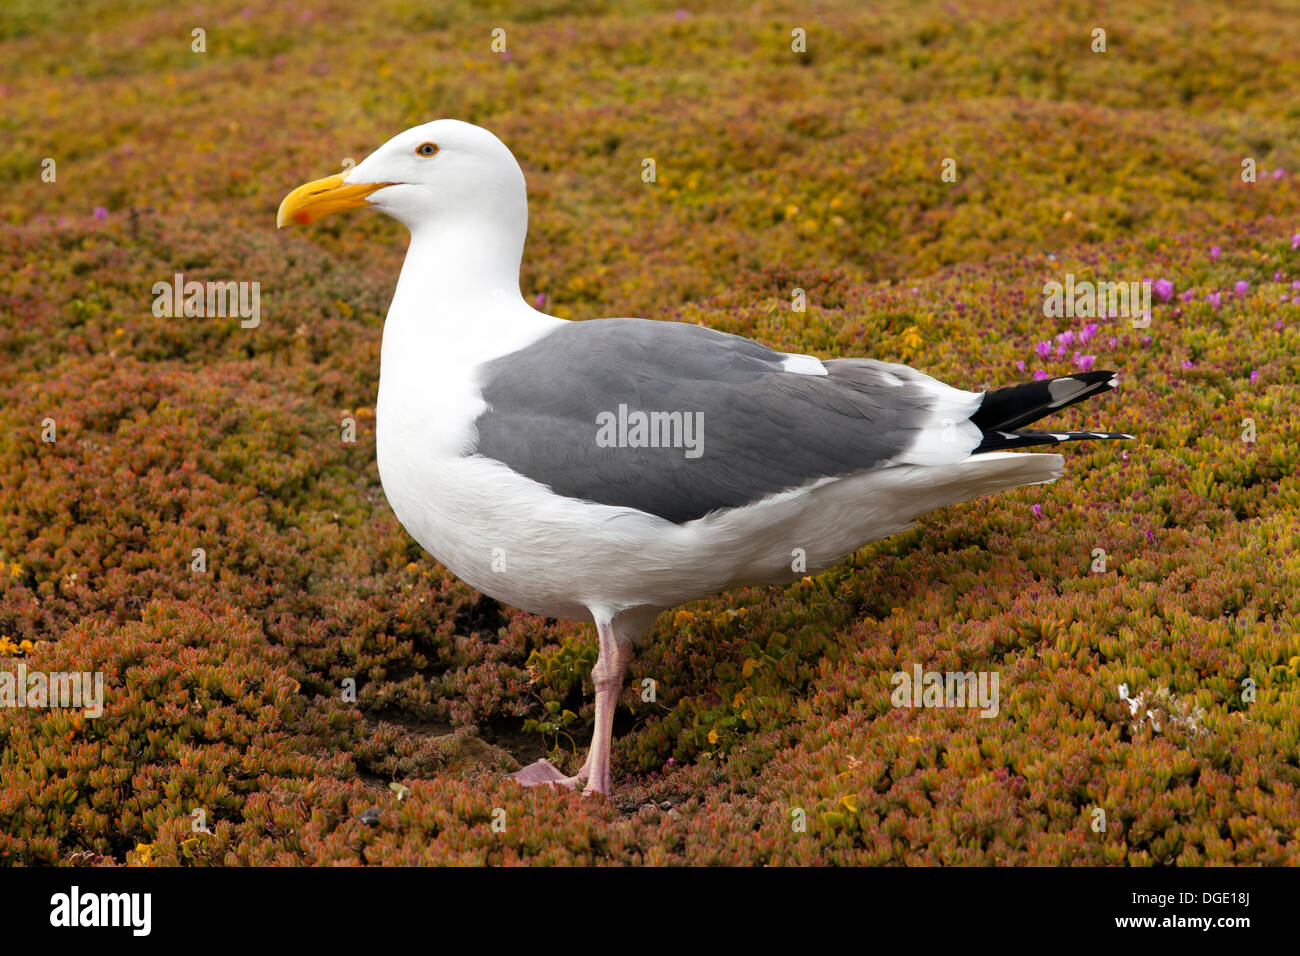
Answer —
440 171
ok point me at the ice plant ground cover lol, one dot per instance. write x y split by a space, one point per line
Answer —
1167 567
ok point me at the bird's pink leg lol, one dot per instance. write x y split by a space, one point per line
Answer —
607 675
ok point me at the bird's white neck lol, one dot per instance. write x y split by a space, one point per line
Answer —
459 265
458 301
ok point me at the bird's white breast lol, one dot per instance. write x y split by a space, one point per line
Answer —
469 515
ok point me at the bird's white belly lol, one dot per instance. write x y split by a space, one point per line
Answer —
481 544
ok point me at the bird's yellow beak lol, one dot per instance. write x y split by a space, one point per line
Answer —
321 197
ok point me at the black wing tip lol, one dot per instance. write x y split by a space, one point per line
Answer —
1028 438
1112 378
1012 407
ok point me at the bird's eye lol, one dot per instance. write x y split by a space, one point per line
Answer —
426 150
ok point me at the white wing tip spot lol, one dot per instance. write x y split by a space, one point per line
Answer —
804 365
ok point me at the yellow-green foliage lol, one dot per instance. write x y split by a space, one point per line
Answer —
776 170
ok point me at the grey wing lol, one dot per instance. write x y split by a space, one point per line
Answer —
725 423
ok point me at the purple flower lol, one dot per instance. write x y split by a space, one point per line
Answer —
1039 375
1038 511
1060 350
1112 341
1277 326
1296 285
1123 456
1164 290
540 302
1020 366
1254 376
960 306
1151 536
1277 277
1213 298
1084 363
1214 252
1295 241
1187 296
680 14
1146 340
1279 173
1187 363
100 212
1242 287
1043 349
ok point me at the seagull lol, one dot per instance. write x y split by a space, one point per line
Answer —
612 469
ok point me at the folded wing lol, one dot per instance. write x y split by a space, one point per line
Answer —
589 409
